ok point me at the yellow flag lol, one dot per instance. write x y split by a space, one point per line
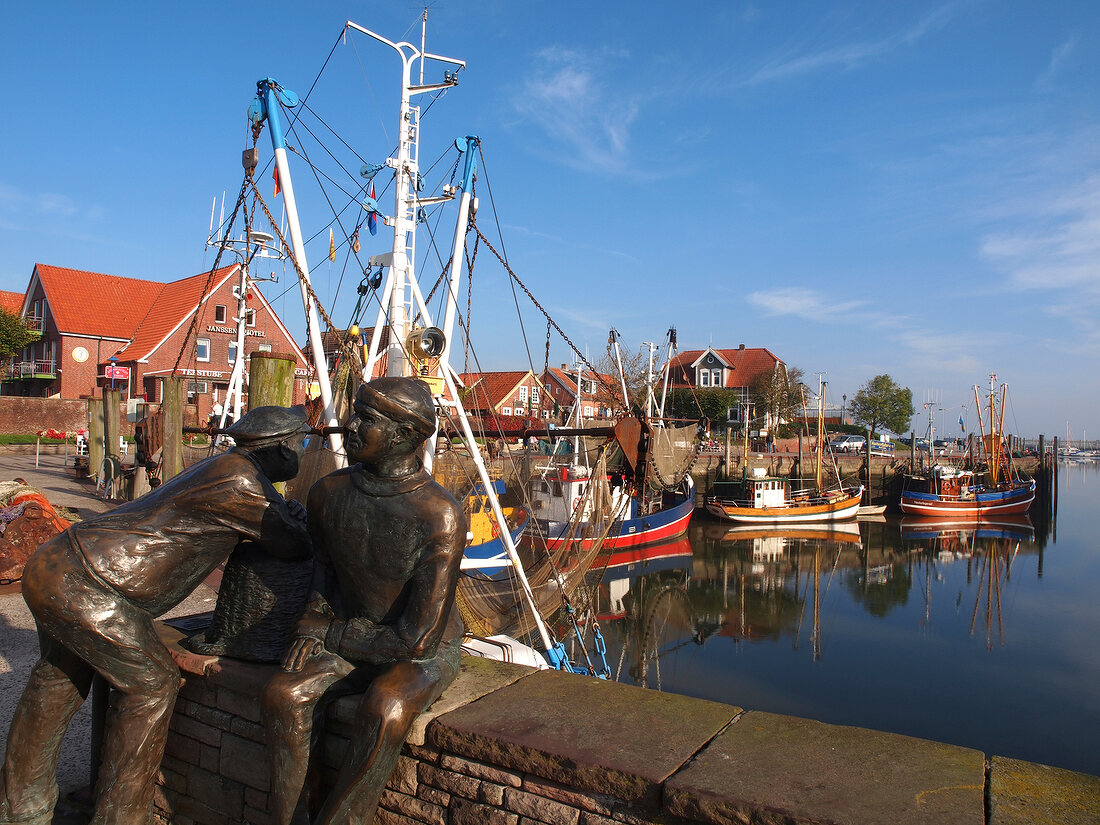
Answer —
331 245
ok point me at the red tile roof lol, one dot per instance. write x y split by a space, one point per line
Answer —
488 389
743 364
172 308
91 303
11 301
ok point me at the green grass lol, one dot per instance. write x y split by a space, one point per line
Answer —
28 438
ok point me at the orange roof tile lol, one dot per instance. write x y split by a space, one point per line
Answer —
91 303
173 307
744 365
11 301
490 388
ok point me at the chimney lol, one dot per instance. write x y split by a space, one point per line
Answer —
565 367
741 347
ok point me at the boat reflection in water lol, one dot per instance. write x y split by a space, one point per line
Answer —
658 605
988 549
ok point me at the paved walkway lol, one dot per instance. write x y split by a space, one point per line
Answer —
19 639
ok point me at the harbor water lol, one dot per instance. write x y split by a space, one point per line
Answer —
982 636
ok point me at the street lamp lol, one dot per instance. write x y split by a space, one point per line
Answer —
843 402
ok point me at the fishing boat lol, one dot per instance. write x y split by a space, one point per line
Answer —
569 509
646 497
760 498
953 492
763 499
485 553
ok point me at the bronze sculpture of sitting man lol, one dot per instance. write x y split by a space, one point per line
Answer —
381 620
95 590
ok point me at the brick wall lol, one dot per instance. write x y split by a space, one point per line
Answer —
28 416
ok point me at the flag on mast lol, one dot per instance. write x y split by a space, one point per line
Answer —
372 218
275 177
331 245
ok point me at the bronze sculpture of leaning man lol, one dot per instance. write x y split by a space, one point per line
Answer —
381 620
95 590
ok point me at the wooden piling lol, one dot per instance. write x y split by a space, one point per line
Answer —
270 379
111 434
95 436
271 383
172 405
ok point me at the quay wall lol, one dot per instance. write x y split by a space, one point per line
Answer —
507 745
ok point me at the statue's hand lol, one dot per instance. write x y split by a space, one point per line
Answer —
295 509
301 651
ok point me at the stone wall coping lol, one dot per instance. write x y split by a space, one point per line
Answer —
676 759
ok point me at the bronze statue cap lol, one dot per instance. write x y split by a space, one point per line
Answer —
403 400
268 424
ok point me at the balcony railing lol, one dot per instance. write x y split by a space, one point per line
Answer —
33 322
42 368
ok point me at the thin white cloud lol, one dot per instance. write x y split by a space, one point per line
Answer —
43 204
1058 58
570 99
803 303
850 55
1056 246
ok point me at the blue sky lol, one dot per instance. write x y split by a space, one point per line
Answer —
861 187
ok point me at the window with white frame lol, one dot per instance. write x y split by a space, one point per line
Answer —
232 351
588 411
506 411
219 313
251 316
704 378
716 378
263 348
535 396
202 349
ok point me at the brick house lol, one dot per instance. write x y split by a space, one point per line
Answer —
597 401
91 322
729 369
506 394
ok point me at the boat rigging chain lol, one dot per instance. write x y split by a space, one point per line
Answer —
599 378
345 346
217 259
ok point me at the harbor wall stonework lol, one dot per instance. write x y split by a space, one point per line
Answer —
506 745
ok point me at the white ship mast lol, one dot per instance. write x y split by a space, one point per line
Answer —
424 352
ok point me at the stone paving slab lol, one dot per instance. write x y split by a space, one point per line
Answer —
1024 793
583 732
767 768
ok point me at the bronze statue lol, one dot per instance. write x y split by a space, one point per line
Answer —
94 591
381 620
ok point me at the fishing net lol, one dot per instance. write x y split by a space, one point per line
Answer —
489 607
673 450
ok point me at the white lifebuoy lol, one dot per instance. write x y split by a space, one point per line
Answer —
576 503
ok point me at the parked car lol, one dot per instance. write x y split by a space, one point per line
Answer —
848 444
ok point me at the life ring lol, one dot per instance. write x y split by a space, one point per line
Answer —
576 503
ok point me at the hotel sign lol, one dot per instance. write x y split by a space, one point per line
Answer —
257 333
